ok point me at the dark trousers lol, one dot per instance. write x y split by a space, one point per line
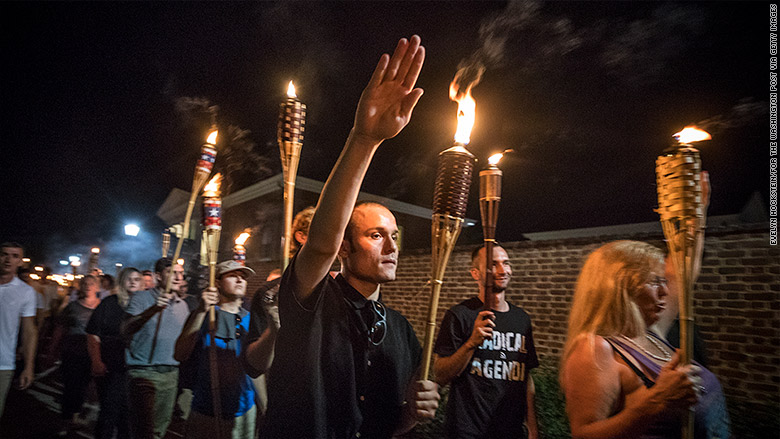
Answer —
76 375
114 408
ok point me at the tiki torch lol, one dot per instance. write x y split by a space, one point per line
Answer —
94 255
208 153
212 225
292 118
681 208
450 197
166 242
489 199
239 250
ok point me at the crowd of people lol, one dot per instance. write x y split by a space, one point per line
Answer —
318 354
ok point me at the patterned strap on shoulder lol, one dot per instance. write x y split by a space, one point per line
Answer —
615 347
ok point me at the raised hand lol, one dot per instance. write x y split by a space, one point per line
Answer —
387 102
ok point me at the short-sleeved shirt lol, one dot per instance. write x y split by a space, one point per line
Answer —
17 300
150 347
235 387
327 379
488 399
74 319
105 323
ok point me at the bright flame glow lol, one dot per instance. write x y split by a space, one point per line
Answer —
63 262
118 264
38 268
34 276
76 263
467 113
95 250
212 138
241 240
132 230
495 158
69 277
291 90
26 260
74 258
692 134
180 261
212 187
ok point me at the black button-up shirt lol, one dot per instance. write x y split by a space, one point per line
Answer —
327 379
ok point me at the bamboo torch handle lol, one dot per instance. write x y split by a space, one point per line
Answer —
430 328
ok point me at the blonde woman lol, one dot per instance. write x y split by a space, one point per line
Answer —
107 355
621 380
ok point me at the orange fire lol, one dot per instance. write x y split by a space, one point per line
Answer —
212 187
495 158
241 240
291 90
467 112
692 134
212 139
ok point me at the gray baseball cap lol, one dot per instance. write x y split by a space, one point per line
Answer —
228 266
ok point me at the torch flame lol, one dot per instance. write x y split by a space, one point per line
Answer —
213 184
241 240
692 134
495 158
180 261
95 250
467 113
291 90
212 138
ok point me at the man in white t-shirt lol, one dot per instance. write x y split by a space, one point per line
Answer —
17 308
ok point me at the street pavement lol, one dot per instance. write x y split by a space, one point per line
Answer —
35 412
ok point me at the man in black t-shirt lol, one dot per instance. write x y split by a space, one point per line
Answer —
345 364
486 356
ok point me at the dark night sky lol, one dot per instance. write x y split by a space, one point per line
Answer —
587 93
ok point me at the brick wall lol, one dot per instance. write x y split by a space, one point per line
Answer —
737 299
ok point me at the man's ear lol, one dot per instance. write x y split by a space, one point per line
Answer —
345 249
474 274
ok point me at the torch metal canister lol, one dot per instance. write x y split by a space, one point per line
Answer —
489 199
292 120
680 207
239 254
451 194
166 242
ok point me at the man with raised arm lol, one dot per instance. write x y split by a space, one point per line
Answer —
345 365
486 357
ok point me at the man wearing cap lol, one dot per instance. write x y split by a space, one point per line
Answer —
237 394
154 321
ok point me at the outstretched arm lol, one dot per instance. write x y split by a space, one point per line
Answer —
384 109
